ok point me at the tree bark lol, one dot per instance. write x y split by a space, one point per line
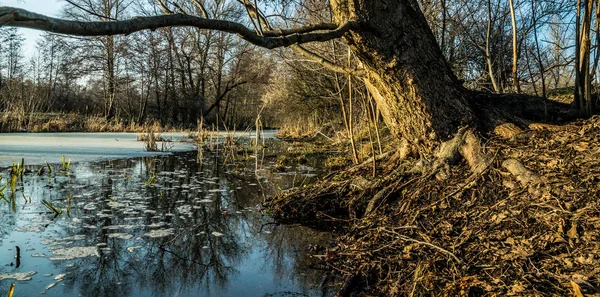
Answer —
578 88
420 98
585 53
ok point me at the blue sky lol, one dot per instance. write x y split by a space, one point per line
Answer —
47 7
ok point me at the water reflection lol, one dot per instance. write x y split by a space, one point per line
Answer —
160 226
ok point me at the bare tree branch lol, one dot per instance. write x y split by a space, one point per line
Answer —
326 63
301 30
250 14
181 10
91 12
202 8
255 13
261 19
222 95
164 7
16 17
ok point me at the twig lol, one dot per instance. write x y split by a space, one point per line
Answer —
91 12
441 249
319 132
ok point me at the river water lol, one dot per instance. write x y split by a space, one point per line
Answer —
165 225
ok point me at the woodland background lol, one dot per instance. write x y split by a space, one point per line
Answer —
175 76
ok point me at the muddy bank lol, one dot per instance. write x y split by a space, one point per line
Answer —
527 232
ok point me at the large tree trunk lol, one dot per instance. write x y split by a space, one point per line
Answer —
420 98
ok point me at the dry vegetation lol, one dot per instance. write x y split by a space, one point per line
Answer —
491 234
73 123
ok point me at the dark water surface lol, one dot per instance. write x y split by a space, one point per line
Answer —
195 231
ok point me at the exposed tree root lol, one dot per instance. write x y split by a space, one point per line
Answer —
525 176
464 144
514 217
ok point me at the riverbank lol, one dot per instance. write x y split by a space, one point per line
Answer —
526 231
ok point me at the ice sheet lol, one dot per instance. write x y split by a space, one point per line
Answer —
38 148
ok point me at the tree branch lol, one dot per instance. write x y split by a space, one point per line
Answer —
165 9
256 13
201 8
324 62
222 95
10 16
181 10
251 18
301 30
91 12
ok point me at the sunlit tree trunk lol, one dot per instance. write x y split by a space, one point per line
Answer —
583 83
420 98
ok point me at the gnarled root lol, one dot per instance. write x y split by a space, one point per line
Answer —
464 144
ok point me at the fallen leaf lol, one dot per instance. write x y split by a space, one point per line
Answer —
517 288
576 289
568 262
572 233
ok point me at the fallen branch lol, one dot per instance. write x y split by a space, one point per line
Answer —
441 249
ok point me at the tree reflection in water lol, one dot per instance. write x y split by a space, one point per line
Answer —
214 241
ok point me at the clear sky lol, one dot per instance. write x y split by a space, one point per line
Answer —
47 7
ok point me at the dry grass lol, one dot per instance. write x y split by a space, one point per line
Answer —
337 162
298 130
152 139
54 122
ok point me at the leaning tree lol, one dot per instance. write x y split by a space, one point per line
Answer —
421 100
